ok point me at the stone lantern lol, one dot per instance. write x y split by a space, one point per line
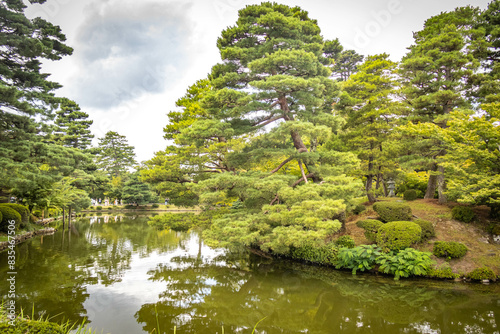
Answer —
391 185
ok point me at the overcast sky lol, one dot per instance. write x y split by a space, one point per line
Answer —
133 59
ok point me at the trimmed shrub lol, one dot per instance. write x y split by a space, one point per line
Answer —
9 214
443 272
358 209
155 206
22 210
345 241
427 228
98 207
393 211
463 213
371 227
326 254
480 274
398 235
130 206
410 195
449 249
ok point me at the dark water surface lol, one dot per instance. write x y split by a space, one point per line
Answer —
121 274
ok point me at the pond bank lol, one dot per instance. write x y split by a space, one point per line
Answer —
25 236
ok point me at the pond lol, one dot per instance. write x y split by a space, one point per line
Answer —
123 275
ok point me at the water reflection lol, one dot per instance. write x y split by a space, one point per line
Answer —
121 274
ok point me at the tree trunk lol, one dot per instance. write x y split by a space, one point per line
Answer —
69 217
64 218
432 184
368 187
441 185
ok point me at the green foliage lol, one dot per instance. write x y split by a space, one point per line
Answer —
32 327
405 263
114 155
98 207
443 271
155 206
393 211
427 228
463 213
324 254
410 195
22 210
358 209
9 214
345 241
413 181
398 235
480 274
135 191
73 126
358 258
181 221
449 249
371 227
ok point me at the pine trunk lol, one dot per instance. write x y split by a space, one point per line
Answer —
432 184
441 185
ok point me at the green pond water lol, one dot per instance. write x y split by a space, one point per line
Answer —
120 274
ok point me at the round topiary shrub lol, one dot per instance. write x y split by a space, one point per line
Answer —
480 274
410 195
22 210
398 235
155 206
345 241
9 214
98 207
371 227
463 213
427 228
393 211
449 249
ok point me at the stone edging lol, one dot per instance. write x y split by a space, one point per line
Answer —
25 236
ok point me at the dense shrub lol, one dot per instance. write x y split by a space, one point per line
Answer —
462 213
358 258
371 227
345 241
130 206
398 235
443 272
480 274
405 263
414 180
22 210
449 249
410 195
326 254
155 206
98 207
393 211
427 228
358 209
9 214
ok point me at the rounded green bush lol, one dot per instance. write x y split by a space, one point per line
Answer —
480 274
9 214
393 211
463 213
98 207
358 209
449 249
22 210
410 195
427 228
154 206
371 227
443 272
345 241
398 235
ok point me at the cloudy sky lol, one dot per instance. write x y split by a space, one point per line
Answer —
134 59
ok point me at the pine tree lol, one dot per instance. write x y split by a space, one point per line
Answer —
115 156
369 109
73 125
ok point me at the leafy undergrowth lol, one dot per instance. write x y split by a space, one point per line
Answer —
473 235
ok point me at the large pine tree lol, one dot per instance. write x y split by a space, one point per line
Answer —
73 126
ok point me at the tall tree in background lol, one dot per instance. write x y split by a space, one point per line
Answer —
368 106
115 156
435 75
73 126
